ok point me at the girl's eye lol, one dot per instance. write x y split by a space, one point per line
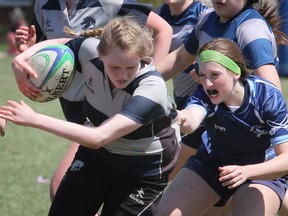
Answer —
214 75
201 76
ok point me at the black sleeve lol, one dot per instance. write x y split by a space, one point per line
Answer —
139 11
75 45
39 33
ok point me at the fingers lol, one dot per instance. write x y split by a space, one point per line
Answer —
231 176
2 127
22 71
21 36
11 103
27 88
25 37
2 134
181 118
33 32
194 76
6 113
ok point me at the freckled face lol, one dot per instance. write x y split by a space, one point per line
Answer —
217 82
121 67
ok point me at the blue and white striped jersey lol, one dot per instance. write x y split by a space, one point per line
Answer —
245 135
145 100
248 29
51 16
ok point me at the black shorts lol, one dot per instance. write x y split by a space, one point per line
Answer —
207 168
73 110
90 183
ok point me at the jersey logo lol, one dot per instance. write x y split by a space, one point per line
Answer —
77 165
88 22
140 193
276 126
220 128
48 27
138 197
258 130
48 23
89 85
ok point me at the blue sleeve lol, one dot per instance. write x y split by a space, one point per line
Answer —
256 59
192 44
75 45
200 98
277 118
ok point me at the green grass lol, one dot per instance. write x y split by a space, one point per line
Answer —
27 153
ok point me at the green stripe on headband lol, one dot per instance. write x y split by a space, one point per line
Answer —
215 56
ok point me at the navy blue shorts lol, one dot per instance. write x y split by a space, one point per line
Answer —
90 182
207 168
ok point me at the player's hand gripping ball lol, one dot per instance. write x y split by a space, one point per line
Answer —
55 68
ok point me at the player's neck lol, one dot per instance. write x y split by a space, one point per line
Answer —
68 4
177 8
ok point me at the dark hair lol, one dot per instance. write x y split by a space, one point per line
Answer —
230 49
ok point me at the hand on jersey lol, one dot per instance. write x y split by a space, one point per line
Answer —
232 176
194 76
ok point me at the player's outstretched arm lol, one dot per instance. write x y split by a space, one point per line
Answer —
162 36
190 119
90 137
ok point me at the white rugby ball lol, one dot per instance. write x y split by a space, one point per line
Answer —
55 67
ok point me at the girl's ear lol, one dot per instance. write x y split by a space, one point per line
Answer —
235 76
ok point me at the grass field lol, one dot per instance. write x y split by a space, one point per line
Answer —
25 154
28 153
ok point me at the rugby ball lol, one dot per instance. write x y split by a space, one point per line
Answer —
54 65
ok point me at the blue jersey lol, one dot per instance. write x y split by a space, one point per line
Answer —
248 29
245 135
153 143
182 25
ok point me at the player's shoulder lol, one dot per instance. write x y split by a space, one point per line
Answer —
206 17
249 13
261 89
47 5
